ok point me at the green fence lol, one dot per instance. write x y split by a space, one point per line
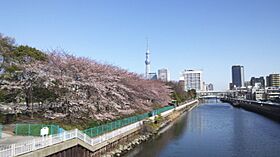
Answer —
35 129
1 127
160 110
98 130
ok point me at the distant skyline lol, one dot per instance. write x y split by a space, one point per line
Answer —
183 34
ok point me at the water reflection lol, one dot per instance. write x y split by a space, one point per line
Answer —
153 147
216 129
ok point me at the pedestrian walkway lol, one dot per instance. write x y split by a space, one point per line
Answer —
10 139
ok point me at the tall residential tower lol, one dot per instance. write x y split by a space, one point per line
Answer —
237 76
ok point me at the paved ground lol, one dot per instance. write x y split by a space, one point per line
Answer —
10 139
5 134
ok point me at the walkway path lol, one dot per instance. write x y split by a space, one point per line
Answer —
10 139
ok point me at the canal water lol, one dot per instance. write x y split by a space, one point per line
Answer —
215 129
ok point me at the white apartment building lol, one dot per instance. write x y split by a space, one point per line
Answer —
193 80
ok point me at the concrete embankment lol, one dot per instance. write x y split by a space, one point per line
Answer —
169 117
267 109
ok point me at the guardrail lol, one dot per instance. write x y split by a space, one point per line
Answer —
32 145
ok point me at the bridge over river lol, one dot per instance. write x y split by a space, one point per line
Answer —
211 94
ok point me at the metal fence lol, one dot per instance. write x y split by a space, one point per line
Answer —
99 130
38 143
42 142
1 127
35 129
160 110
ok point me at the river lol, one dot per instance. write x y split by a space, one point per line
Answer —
215 129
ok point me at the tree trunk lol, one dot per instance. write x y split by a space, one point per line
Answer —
31 102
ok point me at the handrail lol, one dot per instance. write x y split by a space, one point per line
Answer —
35 144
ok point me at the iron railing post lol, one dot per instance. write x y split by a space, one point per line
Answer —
33 144
64 136
76 133
13 149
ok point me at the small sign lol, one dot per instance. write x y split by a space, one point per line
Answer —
44 131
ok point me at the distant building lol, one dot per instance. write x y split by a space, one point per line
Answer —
204 86
210 87
182 83
231 86
193 80
273 80
152 76
237 76
257 91
247 84
164 75
255 80
272 93
259 95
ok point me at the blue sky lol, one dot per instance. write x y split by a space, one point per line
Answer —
211 35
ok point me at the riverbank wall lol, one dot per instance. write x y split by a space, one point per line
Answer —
270 110
142 136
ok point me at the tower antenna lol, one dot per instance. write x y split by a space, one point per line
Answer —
147 61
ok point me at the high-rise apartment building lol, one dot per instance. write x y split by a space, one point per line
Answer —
193 80
237 76
273 80
164 75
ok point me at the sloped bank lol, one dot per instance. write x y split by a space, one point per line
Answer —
151 129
